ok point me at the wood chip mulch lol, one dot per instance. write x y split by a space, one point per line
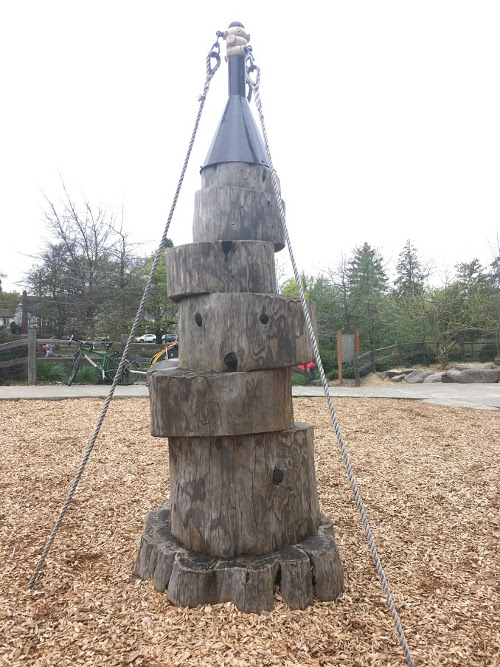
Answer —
429 478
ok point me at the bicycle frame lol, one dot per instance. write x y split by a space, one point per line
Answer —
100 367
108 364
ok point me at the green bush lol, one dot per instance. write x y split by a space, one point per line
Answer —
87 374
50 372
298 379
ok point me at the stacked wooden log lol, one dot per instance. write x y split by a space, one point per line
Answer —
244 513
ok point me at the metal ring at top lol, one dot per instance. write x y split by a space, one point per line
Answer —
212 69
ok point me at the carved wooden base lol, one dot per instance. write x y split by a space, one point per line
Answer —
310 568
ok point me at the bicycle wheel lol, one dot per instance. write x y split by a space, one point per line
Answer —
129 372
74 368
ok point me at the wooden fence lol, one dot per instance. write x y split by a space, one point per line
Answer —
27 359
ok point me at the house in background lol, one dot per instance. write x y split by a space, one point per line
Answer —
6 317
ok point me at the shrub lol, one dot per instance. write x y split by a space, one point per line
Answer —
49 372
301 380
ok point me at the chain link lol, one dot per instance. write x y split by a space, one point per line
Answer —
210 72
255 88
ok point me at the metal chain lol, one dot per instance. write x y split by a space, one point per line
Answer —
255 86
210 71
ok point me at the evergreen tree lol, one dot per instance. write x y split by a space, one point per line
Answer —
367 285
409 282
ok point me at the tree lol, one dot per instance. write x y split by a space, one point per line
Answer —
462 308
83 278
409 282
367 284
9 300
160 312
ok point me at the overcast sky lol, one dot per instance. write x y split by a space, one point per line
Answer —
383 119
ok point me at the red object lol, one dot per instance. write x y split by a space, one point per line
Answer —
306 367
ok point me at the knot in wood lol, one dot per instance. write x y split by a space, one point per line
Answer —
226 247
198 319
278 476
231 360
264 318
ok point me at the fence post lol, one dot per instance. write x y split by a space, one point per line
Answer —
357 379
424 357
339 355
372 358
31 356
400 353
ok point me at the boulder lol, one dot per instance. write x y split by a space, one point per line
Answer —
472 375
397 378
417 376
434 377
397 371
450 376
482 375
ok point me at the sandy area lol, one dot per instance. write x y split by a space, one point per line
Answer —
428 479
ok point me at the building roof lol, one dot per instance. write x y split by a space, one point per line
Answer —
6 312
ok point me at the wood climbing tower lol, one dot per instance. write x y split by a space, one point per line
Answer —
243 514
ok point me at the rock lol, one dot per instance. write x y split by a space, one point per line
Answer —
434 377
472 375
397 378
482 375
417 376
451 376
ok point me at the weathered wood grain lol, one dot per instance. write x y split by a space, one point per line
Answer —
192 404
250 494
296 582
328 575
234 214
243 332
238 175
193 579
222 266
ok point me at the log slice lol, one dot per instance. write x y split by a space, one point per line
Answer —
244 332
249 494
186 403
193 579
222 266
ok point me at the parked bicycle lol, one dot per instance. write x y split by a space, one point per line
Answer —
168 352
107 364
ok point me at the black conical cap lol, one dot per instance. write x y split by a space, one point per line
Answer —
237 138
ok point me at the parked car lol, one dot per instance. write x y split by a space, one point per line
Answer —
170 338
146 338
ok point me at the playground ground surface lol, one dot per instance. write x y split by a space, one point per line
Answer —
429 478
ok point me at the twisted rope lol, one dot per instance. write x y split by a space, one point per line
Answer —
210 71
345 456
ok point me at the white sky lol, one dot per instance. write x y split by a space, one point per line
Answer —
383 119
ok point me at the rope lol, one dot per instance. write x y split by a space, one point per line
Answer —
210 71
254 85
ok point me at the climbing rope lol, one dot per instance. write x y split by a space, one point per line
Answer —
254 86
212 65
